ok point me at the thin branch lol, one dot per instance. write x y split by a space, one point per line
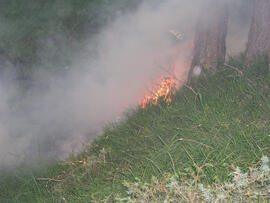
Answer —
190 88
234 68
239 71
190 140
48 179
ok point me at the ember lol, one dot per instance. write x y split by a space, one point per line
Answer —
163 90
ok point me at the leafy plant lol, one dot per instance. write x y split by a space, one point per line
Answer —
243 187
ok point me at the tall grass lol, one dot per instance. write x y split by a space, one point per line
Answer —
222 124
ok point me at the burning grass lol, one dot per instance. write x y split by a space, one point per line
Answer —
162 91
226 124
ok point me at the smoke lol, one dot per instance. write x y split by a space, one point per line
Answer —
106 77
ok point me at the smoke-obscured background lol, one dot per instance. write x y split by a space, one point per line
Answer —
67 68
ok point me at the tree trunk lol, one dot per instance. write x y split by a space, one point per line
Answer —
210 38
259 34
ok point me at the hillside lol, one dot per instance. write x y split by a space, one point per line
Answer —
222 123
211 142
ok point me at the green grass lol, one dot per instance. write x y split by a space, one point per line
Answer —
224 125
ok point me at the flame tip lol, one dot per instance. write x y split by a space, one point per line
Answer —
164 89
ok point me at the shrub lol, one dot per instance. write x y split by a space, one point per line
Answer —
243 187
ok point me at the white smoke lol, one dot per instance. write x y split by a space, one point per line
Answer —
53 118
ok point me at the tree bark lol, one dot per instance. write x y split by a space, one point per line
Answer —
210 37
259 34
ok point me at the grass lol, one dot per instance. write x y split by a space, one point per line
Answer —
244 187
224 125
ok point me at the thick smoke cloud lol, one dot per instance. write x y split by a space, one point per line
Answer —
58 113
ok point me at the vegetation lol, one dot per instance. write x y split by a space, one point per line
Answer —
219 125
244 187
210 128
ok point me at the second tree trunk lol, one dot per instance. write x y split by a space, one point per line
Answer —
259 34
210 37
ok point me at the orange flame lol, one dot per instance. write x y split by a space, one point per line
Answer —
164 90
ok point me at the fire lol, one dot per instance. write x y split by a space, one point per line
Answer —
164 90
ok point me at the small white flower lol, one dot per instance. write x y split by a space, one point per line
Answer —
265 168
265 160
221 197
201 188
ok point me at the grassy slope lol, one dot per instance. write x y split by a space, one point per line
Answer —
226 124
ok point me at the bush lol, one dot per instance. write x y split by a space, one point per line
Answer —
243 187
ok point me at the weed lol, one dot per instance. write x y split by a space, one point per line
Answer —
254 185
